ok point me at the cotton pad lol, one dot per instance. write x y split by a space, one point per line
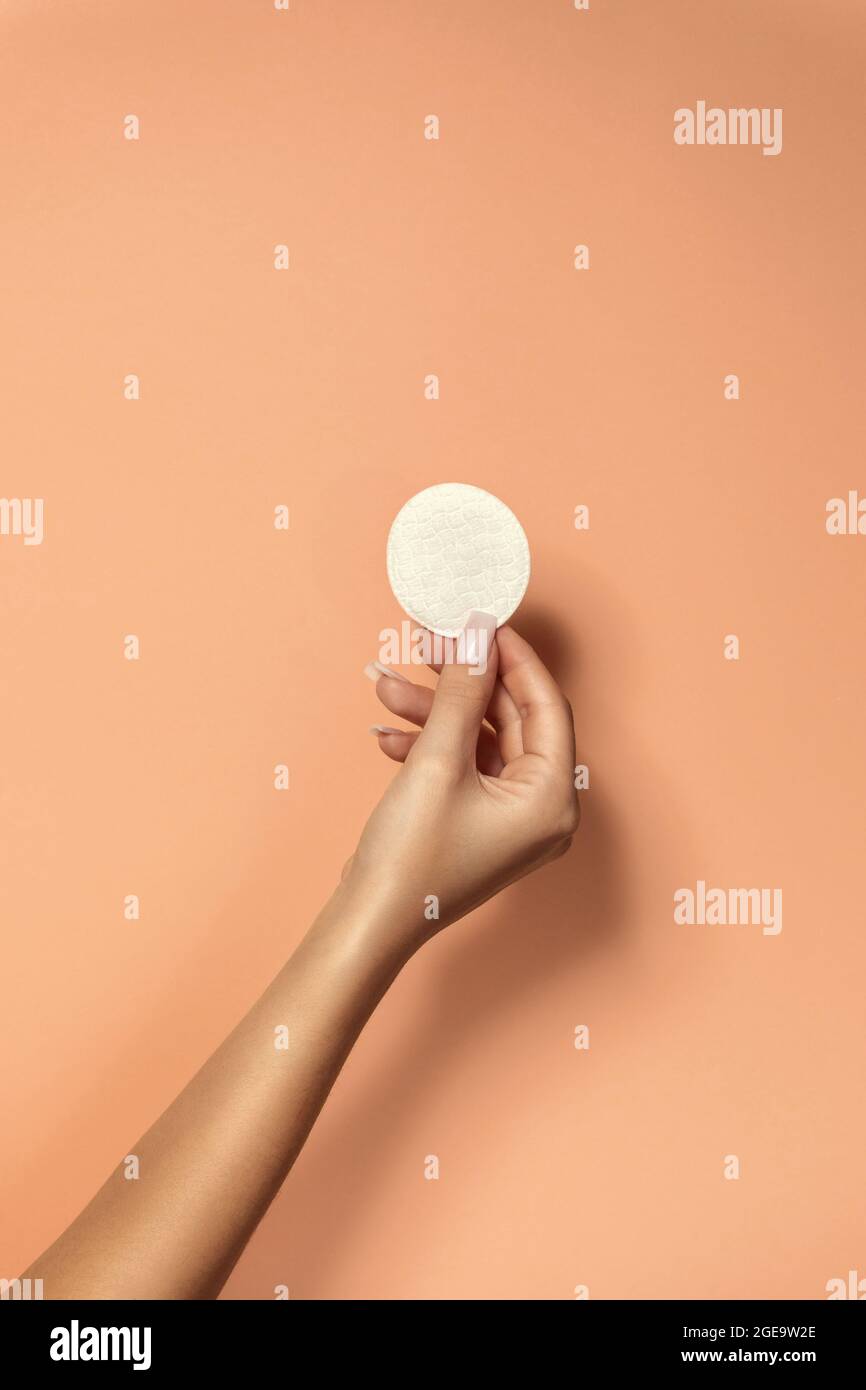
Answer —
454 549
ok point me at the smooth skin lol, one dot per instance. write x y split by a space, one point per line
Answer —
473 808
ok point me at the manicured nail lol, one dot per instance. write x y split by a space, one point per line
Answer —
374 669
478 634
384 729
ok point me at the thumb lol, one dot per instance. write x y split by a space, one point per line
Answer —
465 686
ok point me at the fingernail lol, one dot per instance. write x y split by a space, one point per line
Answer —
384 729
374 669
478 633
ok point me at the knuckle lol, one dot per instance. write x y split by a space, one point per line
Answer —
461 694
437 764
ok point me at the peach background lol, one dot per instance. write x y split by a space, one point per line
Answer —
707 517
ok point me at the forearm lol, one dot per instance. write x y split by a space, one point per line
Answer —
445 833
212 1163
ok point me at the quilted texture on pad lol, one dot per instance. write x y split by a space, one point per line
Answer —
454 549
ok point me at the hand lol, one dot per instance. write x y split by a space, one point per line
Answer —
473 808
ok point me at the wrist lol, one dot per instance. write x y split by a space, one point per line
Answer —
369 925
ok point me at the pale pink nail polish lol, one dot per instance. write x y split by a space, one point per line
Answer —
384 729
477 636
374 669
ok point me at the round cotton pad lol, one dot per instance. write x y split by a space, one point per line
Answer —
454 549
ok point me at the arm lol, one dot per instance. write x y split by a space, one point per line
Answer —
215 1159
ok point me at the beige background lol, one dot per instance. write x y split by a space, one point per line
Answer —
558 1167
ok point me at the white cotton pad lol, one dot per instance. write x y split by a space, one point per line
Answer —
454 549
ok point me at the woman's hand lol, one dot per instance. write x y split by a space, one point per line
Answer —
471 810
474 807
